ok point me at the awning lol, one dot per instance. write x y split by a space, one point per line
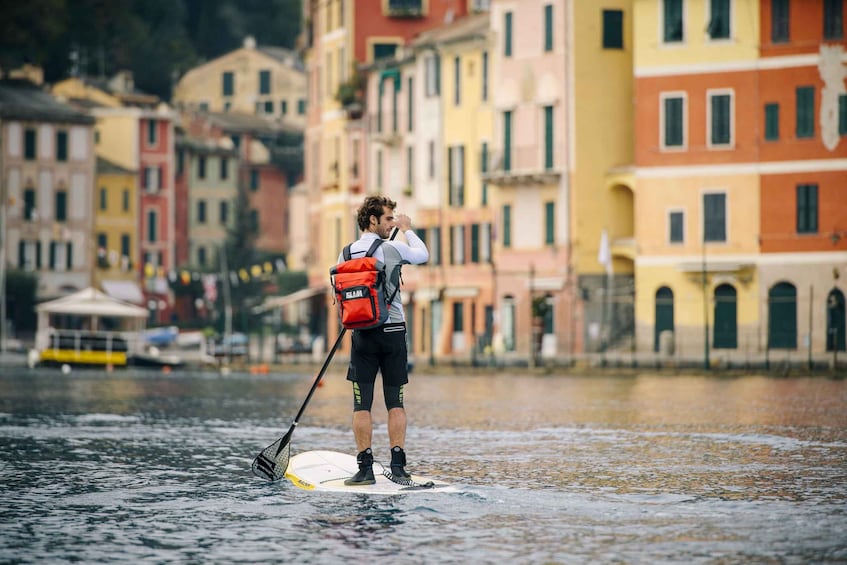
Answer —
275 302
127 291
461 292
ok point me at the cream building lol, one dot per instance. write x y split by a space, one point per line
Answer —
261 80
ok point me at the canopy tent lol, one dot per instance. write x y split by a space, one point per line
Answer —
92 303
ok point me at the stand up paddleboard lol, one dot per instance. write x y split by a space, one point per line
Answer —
327 470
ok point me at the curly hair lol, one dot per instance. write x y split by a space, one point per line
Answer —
373 206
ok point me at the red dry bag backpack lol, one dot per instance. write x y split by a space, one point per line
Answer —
360 290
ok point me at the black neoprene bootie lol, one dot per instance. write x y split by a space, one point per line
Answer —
365 475
398 463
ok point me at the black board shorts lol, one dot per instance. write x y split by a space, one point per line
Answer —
379 349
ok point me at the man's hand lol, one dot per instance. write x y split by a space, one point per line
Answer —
403 222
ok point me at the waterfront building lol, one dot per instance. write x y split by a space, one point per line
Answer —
47 167
740 162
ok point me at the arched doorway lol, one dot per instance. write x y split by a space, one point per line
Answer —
664 314
782 316
835 321
726 318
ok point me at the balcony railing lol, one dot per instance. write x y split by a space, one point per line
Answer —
522 165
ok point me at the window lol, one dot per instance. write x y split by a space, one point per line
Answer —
720 124
384 50
29 144
457 247
507 141
675 227
456 172
805 111
60 254
283 107
224 172
672 21
151 179
719 19
458 317
61 205
264 82
842 114
301 106
673 116
474 243
507 34
268 107
102 241
201 256
29 204
807 208
223 213
714 217
431 159
410 167
457 85
483 168
435 249
61 146
780 19
253 217
125 202
484 76
254 179
228 83
152 226
125 245
833 19
410 104
151 132
548 27
612 29
201 211
549 223
432 72
201 167
29 255
771 122
103 198
548 137
507 225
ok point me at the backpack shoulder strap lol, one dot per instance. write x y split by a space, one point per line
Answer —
374 246
346 252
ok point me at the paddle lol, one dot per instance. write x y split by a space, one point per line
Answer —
272 461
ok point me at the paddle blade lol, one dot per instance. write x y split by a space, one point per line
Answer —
272 462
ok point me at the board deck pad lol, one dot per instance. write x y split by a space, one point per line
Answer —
327 470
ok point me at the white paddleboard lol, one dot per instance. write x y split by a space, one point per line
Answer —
327 470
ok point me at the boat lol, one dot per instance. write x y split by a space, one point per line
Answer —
88 328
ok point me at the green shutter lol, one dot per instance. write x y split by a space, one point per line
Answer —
612 29
548 27
507 226
771 122
29 144
549 223
780 18
673 122
842 114
474 243
61 206
805 111
228 86
62 146
507 141
672 32
507 38
548 137
807 208
721 127
264 82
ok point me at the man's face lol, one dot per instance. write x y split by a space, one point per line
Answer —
384 223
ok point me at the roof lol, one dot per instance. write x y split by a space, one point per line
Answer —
222 146
106 167
236 122
475 26
22 100
92 302
283 55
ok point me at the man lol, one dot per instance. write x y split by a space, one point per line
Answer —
382 348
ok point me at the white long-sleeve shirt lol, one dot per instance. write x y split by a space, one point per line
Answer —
415 253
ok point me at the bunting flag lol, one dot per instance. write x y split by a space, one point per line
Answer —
242 276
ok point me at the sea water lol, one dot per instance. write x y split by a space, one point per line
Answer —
144 467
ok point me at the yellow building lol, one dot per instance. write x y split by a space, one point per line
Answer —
697 181
261 80
116 230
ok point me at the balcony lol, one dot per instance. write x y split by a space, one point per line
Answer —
405 9
524 165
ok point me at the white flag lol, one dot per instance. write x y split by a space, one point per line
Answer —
604 255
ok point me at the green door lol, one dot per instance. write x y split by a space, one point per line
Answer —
726 320
835 321
782 316
664 314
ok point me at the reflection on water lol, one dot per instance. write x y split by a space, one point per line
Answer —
555 469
